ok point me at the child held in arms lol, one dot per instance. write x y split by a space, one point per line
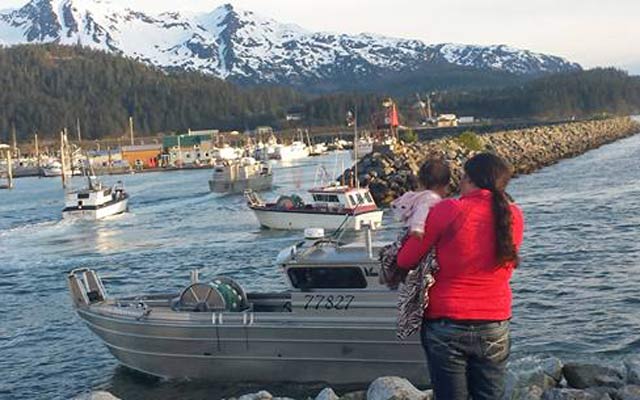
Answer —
412 209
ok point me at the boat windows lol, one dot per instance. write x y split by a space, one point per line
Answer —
327 198
360 198
83 195
367 195
327 278
353 200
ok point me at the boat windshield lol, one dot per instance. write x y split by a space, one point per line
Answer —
327 278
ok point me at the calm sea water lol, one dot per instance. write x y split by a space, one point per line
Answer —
576 292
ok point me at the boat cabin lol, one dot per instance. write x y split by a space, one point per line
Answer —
343 197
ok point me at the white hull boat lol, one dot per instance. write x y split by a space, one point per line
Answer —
236 177
95 202
336 324
285 220
296 151
332 207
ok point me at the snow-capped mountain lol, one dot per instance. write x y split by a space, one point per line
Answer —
242 46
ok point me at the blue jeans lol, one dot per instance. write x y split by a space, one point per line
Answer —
467 360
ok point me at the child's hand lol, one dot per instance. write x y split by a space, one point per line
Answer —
417 234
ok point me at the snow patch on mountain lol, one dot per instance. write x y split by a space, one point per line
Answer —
240 45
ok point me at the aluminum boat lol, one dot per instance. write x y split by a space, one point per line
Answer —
336 323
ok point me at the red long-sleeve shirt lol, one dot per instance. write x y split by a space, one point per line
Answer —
470 284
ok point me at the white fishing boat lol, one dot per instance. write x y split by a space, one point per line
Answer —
328 209
95 201
238 176
335 324
52 169
294 151
227 153
318 149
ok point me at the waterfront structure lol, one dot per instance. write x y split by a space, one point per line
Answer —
336 323
142 156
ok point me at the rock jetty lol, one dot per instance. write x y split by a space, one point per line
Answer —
389 172
529 378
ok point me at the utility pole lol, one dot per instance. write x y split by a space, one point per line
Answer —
131 129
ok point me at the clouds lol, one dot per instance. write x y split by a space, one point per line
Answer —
593 33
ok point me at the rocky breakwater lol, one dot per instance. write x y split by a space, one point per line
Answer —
390 172
530 378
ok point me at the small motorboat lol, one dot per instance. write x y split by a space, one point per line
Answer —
95 201
329 209
336 323
238 176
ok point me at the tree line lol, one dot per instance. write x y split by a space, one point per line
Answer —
46 88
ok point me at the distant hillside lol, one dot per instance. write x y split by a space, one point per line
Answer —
47 87
564 95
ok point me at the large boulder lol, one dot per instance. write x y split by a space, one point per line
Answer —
327 394
99 395
632 365
528 377
630 392
581 376
261 395
394 388
572 394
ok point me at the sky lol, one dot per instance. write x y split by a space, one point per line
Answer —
592 33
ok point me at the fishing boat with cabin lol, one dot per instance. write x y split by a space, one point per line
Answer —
237 176
336 323
327 209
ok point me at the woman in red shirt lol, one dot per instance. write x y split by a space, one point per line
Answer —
466 326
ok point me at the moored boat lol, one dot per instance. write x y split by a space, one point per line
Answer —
335 324
294 151
238 176
329 209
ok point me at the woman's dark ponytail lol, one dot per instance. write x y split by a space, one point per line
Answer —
505 248
488 171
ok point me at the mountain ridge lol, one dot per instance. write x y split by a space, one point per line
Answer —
244 47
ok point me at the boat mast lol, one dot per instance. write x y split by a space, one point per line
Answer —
62 160
37 151
355 146
131 129
15 141
78 131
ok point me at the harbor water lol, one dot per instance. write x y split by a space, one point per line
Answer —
575 293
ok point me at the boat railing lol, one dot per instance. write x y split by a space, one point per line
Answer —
86 287
253 199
